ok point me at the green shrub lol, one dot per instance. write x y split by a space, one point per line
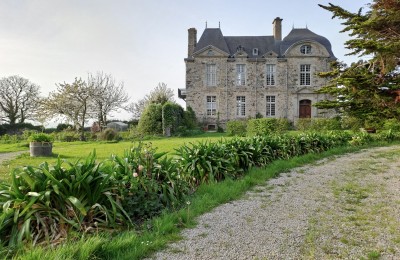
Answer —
325 124
392 124
304 124
150 122
189 117
236 127
43 204
147 182
318 124
351 123
68 136
109 134
40 137
265 126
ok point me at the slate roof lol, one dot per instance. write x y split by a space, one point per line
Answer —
304 34
264 44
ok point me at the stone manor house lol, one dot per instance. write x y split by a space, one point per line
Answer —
239 77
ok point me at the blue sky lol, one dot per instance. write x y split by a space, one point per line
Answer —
140 43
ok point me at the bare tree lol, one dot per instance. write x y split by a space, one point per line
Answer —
160 95
108 96
72 101
18 99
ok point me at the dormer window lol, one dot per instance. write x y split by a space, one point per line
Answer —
210 53
305 49
255 52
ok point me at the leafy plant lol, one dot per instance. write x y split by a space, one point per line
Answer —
236 127
147 181
40 137
44 204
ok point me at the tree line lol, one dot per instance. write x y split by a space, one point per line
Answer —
78 101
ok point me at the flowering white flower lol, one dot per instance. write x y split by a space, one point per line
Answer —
135 174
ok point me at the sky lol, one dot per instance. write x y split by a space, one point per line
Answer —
140 43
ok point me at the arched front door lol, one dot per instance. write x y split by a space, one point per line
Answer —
305 108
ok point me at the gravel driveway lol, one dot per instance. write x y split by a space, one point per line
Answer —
9 156
345 207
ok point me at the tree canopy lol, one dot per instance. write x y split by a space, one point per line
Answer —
18 99
159 95
370 87
108 95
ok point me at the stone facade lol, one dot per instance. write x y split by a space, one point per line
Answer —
233 78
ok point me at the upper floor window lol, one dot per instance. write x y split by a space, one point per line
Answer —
240 106
270 74
240 75
211 105
270 109
305 49
305 75
211 74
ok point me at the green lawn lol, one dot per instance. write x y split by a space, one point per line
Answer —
73 151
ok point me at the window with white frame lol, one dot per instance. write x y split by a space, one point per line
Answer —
305 75
211 74
270 106
255 52
270 74
240 106
305 49
240 74
211 105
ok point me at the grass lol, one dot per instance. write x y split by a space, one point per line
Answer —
73 151
160 231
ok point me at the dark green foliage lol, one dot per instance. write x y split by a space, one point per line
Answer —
147 182
44 204
351 123
40 137
61 127
189 118
318 124
236 127
207 162
172 117
150 122
392 124
109 134
265 126
367 88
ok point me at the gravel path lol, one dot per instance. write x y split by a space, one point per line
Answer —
346 207
9 156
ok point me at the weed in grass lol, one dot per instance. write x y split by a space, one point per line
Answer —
373 255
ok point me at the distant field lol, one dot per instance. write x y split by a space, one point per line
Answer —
73 151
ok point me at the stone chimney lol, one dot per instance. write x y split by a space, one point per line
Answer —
277 28
192 41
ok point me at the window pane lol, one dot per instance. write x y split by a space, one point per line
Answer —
305 74
211 74
240 75
211 105
270 106
240 106
270 74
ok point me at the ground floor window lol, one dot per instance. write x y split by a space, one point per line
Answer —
211 105
270 106
240 106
